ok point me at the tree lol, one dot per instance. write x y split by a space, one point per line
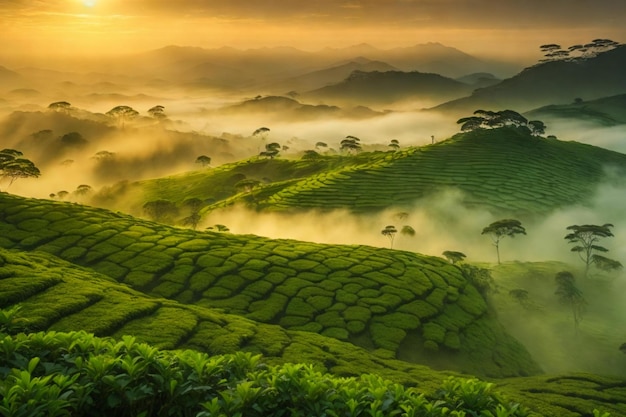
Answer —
310 154
390 232
394 144
569 294
60 107
157 112
319 145
13 167
351 144
502 228
537 127
247 185
122 114
73 139
203 160
193 205
62 194
162 211
407 231
82 190
104 155
271 150
219 228
585 238
453 256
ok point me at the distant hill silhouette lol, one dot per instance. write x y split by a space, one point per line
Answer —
551 83
607 111
328 76
479 79
385 88
288 108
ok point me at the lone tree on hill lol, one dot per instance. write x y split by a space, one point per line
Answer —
13 167
394 144
585 238
501 229
569 294
453 256
203 160
390 232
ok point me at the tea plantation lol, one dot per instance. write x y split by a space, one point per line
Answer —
392 301
53 372
505 170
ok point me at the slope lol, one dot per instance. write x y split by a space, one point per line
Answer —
375 298
605 111
505 170
550 82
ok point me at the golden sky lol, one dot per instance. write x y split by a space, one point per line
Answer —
488 27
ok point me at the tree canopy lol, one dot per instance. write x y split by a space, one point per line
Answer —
13 167
500 229
486 119
585 239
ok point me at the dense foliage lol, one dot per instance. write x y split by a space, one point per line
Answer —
57 374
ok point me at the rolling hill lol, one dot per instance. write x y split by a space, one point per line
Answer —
605 111
505 170
377 299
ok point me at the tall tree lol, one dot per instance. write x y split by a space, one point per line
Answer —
390 232
271 150
193 205
500 229
122 114
570 295
585 239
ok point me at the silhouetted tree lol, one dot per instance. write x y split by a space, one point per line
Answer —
453 256
271 150
122 114
407 231
537 127
394 144
390 232
157 112
585 238
82 190
73 139
203 160
501 229
320 145
569 294
13 167
62 194
60 107
310 154
351 144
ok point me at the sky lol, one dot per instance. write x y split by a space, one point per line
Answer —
480 27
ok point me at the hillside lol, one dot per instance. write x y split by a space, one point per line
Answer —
58 295
390 87
605 111
375 298
548 83
506 171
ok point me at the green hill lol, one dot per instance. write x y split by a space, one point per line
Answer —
57 295
505 170
606 111
375 298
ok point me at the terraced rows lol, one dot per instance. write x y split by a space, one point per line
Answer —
380 299
57 295
503 169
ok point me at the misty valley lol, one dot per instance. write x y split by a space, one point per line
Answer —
348 232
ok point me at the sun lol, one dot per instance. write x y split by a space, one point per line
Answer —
90 3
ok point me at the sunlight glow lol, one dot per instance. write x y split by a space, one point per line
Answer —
90 3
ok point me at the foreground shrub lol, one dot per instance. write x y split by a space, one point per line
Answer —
77 374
